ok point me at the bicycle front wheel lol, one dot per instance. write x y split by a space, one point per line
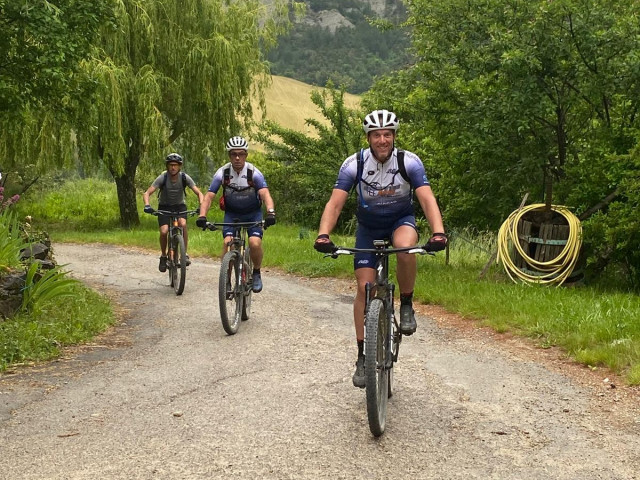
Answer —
179 265
230 293
375 368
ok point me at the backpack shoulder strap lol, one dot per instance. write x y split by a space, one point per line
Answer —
226 176
250 177
401 166
164 182
359 169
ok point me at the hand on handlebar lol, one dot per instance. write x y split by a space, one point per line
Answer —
201 222
436 243
148 209
269 220
323 244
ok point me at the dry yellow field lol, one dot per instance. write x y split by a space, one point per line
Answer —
288 103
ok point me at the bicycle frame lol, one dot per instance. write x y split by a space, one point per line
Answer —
175 241
382 331
235 284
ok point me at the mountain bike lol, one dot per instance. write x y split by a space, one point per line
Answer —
176 250
235 285
382 331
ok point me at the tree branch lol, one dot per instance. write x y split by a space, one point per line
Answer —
599 206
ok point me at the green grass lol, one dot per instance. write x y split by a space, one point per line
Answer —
40 336
594 327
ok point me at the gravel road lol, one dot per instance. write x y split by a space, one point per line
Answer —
166 394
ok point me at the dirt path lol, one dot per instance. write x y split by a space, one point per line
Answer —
167 395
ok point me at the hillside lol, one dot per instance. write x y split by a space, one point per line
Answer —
288 103
337 40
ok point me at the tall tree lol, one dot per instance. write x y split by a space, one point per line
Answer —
506 91
41 46
174 75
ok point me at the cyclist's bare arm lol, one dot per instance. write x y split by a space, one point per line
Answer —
147 194
205 204
430 208
332 211
265 196
197 191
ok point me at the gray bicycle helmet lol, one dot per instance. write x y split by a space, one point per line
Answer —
237 143
380 120
173 157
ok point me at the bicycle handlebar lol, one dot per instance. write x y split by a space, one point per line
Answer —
216 225
189 213
416 249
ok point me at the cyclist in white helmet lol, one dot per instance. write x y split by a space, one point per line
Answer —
384 178
172 185
244 191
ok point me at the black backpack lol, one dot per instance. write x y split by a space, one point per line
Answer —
226 180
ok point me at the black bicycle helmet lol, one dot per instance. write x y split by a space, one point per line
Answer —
174 157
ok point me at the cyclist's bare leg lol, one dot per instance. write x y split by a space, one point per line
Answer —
227 242
183 223
407 268
164 231
363 276
255 244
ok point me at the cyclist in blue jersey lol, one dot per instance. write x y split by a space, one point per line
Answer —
172 185
384 178
244 190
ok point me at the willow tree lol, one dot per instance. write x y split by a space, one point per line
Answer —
174 75
42 47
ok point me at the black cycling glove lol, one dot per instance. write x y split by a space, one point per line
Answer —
202 222
148 209
437 242
323 244
270 220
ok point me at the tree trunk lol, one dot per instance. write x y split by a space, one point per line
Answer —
126 188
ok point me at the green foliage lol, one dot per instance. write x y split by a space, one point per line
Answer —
11 242
41 333
77 204
41 46
304 166
43 286
506 92
349 56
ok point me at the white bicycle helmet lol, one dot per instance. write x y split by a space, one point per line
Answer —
380 120
237 143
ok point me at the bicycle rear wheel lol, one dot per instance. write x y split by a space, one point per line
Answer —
179 265
248 286
230 293
375 370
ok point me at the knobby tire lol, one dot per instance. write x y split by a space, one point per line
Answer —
230 294
247 284
376 373
180 265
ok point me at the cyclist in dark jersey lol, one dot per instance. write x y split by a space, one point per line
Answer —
172 185
244 192
385 210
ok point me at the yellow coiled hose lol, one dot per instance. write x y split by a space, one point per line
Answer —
554 271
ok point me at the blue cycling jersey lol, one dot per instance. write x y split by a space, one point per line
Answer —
383 195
